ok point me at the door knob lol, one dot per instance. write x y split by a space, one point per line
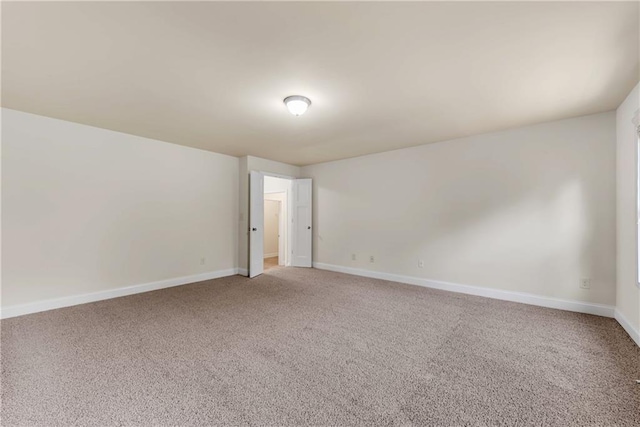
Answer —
309 228
254 229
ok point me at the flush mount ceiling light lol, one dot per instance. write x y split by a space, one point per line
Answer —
297 104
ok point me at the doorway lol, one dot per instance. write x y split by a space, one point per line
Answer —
279 222
274 230
276 214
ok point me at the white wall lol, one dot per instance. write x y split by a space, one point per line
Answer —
276 185
529 210
628 294
87 209
248 164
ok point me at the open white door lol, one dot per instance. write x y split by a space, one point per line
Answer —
301 249
256 224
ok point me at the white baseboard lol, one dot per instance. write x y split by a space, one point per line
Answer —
51 304
275 254
521 297
627 326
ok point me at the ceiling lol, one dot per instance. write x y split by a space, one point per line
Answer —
381 76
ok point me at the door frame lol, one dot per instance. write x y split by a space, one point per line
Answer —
283 221
289 208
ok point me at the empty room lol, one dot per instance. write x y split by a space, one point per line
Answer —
320 213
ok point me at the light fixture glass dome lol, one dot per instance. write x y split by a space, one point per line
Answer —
297 104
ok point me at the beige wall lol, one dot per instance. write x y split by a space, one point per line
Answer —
628 294
248 164
529 210
87 209
271 227
283 198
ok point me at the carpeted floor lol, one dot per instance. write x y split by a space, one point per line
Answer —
309 347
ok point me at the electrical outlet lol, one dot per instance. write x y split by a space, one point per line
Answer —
353 257
372 259
202 261
585 283
421 264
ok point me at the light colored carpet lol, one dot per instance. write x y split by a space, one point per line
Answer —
309 347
